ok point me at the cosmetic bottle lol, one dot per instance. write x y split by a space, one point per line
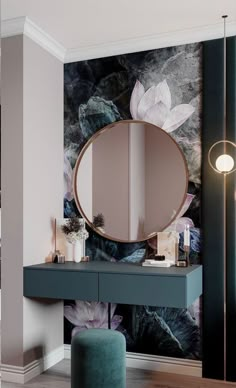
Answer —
55 256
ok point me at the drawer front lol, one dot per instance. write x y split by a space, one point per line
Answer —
60 284
143 290
194 285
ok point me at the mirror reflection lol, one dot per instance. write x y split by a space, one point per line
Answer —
130 181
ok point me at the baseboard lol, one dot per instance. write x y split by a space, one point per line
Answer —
158 363
22 375
164 364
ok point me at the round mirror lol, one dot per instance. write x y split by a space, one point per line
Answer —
130 181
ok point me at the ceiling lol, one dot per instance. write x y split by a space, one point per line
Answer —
76 23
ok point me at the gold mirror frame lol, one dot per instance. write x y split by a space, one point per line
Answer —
81 154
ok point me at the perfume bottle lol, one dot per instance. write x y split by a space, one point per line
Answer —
55 256
186 244
186 255
184 261
177 248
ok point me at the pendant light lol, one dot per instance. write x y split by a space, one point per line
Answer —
221 155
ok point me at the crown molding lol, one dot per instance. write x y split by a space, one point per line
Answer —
23 25
150 42
12 27
44 40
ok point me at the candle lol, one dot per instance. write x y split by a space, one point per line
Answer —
186 236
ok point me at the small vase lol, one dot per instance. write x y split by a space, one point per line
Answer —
78 250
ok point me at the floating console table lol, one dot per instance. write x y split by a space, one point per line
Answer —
114 282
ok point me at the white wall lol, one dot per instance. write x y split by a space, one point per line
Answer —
32 193
110 161
136 180
165 179
12 200
43 184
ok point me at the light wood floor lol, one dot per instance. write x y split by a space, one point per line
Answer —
59 377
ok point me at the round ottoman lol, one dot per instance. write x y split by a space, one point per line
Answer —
98 359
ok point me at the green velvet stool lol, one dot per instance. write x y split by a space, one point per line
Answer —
98 359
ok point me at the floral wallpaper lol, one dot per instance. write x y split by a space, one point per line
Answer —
162 87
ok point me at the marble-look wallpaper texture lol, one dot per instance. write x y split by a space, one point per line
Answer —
167 85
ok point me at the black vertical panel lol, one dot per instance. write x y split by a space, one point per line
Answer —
231 216
212 214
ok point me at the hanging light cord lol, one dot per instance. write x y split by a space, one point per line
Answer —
224 197
224 163
225 80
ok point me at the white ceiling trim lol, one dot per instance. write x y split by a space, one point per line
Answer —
23 25
150 42
12 27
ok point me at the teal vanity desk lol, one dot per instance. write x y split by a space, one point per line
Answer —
114 283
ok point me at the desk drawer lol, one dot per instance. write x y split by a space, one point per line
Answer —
143 290
60 284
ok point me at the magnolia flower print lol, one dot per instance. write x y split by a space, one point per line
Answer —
154 106
87 315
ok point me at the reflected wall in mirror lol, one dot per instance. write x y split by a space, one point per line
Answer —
134 176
